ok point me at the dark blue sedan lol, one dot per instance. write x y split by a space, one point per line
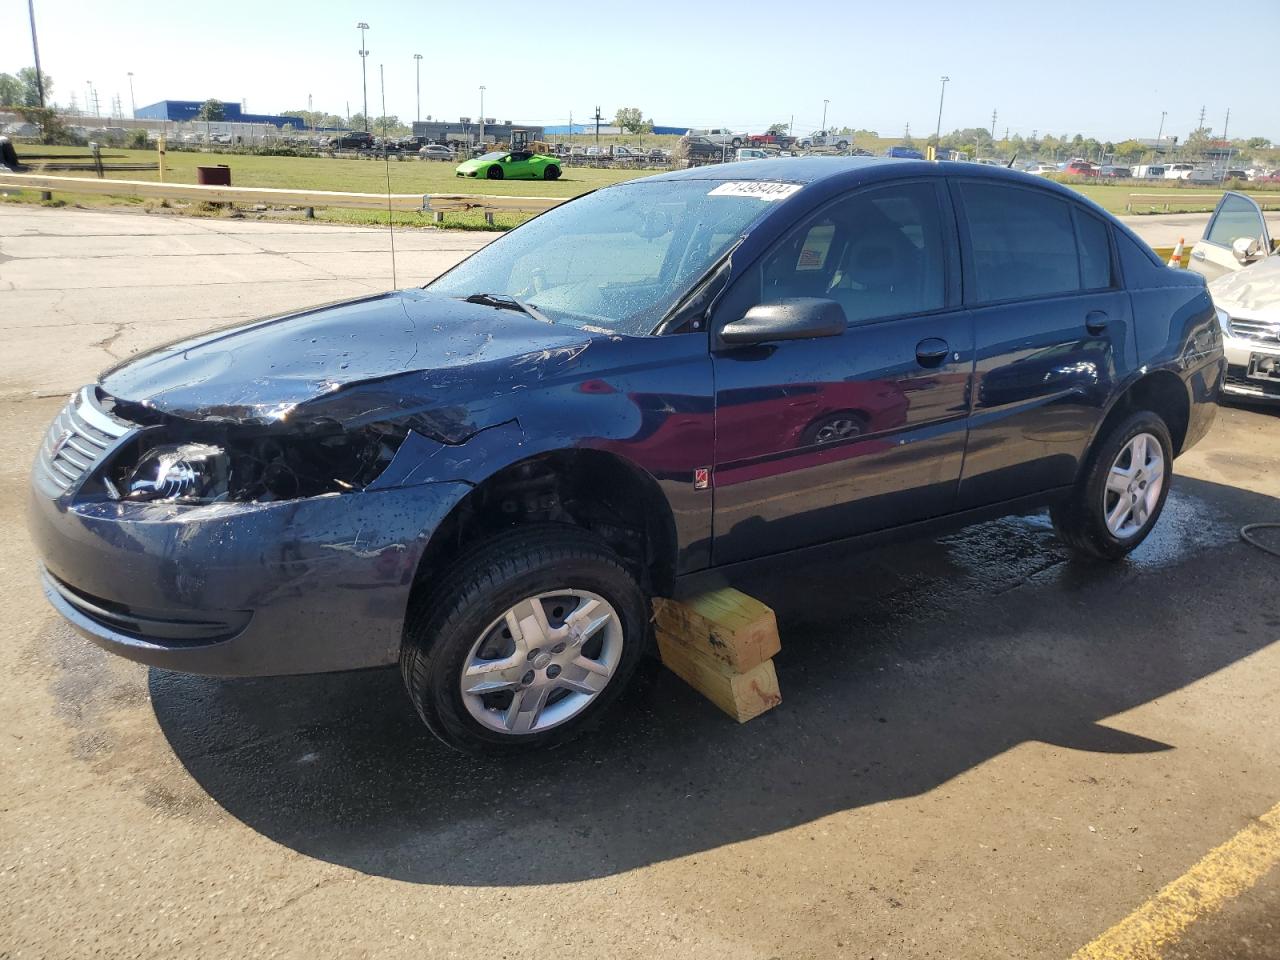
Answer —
487 480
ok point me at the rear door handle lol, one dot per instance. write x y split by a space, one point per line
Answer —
1096 321
1197 255
931 351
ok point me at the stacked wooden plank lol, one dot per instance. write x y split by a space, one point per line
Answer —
722 644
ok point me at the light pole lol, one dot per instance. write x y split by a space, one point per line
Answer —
1163 114
417 69
133 104
364 78
937 133
824 115
482 115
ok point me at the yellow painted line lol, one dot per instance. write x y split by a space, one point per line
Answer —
1224 872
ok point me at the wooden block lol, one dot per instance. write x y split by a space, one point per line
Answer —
725 625
740 695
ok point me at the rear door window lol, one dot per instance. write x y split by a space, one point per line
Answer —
1021 243
1236 217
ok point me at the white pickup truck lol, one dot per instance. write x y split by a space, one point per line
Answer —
721 136
825 138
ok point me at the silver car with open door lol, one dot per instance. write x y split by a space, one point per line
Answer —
1236 255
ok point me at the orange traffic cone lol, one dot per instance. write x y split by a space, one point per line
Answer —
1176 259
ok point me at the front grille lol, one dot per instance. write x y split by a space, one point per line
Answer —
78 438
1256 330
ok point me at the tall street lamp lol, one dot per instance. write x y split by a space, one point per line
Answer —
417 68
1163 114
133 104
482 115
824 115
937 132
364 78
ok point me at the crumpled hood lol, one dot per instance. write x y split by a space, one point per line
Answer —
263 371
1252 293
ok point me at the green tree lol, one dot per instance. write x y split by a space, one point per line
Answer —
30 91
1258 143
10 90
212 110
778 129
631 119
1129 150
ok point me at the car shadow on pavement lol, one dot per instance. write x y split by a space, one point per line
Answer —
900 669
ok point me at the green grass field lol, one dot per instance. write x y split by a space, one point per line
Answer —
417 176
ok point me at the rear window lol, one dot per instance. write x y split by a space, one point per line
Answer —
1095 251
1236 218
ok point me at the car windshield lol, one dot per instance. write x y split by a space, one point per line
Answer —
491 156
617 259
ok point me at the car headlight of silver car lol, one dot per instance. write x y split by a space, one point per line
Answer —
1224 321
184 471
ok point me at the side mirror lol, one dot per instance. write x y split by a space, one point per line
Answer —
1246 249
800 318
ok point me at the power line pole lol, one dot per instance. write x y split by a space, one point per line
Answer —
937 134
133 103
993 126
35 50
1226 124
1201 124
597 119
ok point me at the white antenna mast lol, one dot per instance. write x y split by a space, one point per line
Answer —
386 161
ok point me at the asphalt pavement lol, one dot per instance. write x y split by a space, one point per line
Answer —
984 749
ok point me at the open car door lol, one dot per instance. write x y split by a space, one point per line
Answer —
1235 237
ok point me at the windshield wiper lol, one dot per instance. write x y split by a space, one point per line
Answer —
504 301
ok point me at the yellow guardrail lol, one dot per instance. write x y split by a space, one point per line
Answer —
151 189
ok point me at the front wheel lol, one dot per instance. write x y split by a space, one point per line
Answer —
551 173
526 642
1117 501
494 172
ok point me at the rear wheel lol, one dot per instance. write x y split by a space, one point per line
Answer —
526 642
1122 492
494 172
551 173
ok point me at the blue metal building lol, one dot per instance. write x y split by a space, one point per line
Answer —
188 110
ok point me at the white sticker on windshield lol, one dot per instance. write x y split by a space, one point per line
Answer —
759 189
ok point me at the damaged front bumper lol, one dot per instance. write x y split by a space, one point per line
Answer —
240 589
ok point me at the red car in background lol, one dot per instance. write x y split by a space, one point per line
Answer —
1080 168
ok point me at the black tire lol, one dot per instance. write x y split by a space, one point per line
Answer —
494 172
552 172
737 142
1080 521
444 624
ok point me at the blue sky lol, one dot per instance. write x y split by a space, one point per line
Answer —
1103 69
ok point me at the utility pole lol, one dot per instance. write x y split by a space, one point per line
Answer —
482 114
1160 135
364 75
824 115
35 51
1225 125
937 134
791 127
1200 126
993 126
133 104
417 66
597 119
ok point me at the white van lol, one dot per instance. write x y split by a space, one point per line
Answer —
1149 171
1178 171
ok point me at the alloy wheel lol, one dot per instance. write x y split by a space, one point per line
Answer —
542 662
1132 491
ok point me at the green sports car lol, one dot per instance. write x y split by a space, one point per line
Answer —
516 165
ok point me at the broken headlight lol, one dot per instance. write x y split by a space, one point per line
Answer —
185 471
250 468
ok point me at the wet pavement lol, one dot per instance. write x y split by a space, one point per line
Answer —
985 748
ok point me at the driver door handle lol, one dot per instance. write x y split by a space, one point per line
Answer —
1197 254
931 351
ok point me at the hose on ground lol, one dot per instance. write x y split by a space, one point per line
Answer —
1246 534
